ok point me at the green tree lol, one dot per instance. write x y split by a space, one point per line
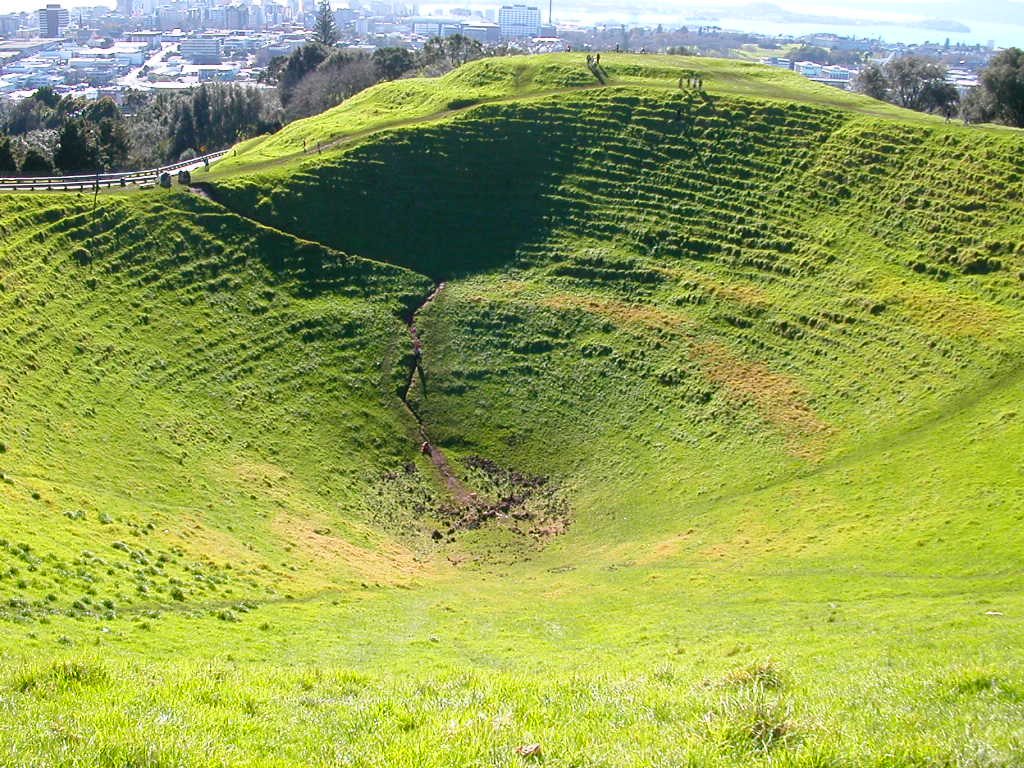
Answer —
940 96
450 52
871 81
201 114
113 143
392 63
432 54
134 102
36 164
68 108
809 53
978 106
1003 83
104 109
28 115
46 95
287 71
462 49
8 165
325 31
184 136
845 58
914 82
342 75
74 152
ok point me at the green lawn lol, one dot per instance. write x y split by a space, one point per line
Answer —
736 379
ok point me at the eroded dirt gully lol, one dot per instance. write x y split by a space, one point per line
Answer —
533 500
459 492
529 499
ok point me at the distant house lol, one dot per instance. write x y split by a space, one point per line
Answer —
217 72
808 68
961 79
484 31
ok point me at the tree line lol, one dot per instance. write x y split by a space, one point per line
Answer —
316 76
47 132
919 83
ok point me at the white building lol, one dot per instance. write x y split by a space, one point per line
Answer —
841 77
201 50
483 31
518 21
434 26
962 79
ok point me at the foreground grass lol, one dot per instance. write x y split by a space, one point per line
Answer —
841 629
431 679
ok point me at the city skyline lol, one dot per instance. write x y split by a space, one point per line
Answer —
850 8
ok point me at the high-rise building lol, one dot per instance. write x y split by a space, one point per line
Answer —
519 21
125 7
237 17
53 20
9 24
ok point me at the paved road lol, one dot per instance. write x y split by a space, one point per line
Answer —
91 181
135 78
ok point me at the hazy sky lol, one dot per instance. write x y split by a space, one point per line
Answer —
1005 11
17 6
855 6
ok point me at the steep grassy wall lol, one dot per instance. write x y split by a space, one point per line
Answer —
181 386
509 78
735 267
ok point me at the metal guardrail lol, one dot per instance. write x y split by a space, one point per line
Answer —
99 180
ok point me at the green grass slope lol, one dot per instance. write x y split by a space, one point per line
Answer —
186 398
761 348
415 100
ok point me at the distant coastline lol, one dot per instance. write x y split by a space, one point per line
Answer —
773 13
772 20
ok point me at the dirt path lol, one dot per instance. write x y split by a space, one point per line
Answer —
417 344
459 492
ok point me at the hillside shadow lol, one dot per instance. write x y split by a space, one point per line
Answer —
444 200
301 267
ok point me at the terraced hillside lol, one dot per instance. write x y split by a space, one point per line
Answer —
182 353
710 457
